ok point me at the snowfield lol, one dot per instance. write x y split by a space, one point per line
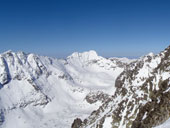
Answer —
43 92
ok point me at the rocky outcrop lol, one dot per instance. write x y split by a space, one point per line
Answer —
93 97
2 117
142 98
77 123
4 72
157 110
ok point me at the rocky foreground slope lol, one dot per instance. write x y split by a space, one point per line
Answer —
84 91
141 99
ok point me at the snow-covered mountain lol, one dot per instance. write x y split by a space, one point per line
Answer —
84 91
141 99
44 92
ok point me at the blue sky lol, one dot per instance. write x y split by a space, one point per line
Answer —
60 27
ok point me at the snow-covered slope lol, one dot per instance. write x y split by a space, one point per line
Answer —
142 96
44 92
166 124
84 91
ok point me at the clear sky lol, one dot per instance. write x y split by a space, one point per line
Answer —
60 27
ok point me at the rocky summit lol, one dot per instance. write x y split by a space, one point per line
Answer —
84 90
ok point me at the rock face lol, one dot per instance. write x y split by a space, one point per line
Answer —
93 97
77 123
142 96
4 72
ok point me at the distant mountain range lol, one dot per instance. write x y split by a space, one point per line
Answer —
84 91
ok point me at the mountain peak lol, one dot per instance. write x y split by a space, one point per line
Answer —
12 53
90 55
150 54
168 48
117 90
7 52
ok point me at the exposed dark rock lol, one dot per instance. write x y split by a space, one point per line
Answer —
135 105
77 123
2 117
65 77
96 96
5 75
156 112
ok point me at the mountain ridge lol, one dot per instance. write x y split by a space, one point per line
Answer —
135 97
32 82
103 92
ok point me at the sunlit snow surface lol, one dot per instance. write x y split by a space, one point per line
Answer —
164 125
122 108
107 122
43 92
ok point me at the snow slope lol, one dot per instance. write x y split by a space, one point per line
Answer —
141 99
44 92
